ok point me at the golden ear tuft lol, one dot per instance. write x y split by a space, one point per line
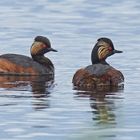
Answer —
37 47
103 52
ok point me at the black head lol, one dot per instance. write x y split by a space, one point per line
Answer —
41 46
102 49
44 40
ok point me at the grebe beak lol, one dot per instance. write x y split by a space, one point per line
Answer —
117 51
51 49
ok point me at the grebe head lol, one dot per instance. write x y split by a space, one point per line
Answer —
103 49
41 45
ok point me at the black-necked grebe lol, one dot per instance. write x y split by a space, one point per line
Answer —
24 65
100 74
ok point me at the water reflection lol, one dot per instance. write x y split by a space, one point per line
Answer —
39 86
102 104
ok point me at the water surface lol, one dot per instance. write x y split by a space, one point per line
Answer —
33 109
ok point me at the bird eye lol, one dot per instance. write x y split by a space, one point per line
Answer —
43 45
110 49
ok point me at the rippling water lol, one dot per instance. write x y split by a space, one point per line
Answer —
34 110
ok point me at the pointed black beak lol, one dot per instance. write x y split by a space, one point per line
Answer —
51 49
117 51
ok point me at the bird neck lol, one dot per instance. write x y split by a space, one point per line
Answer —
41 59
99 62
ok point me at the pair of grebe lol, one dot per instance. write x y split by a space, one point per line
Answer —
98 74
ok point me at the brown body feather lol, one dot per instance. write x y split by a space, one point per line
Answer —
82 79
9 67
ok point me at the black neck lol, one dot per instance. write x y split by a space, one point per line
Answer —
101 62
42 60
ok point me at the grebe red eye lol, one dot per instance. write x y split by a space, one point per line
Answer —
43 45
110 49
